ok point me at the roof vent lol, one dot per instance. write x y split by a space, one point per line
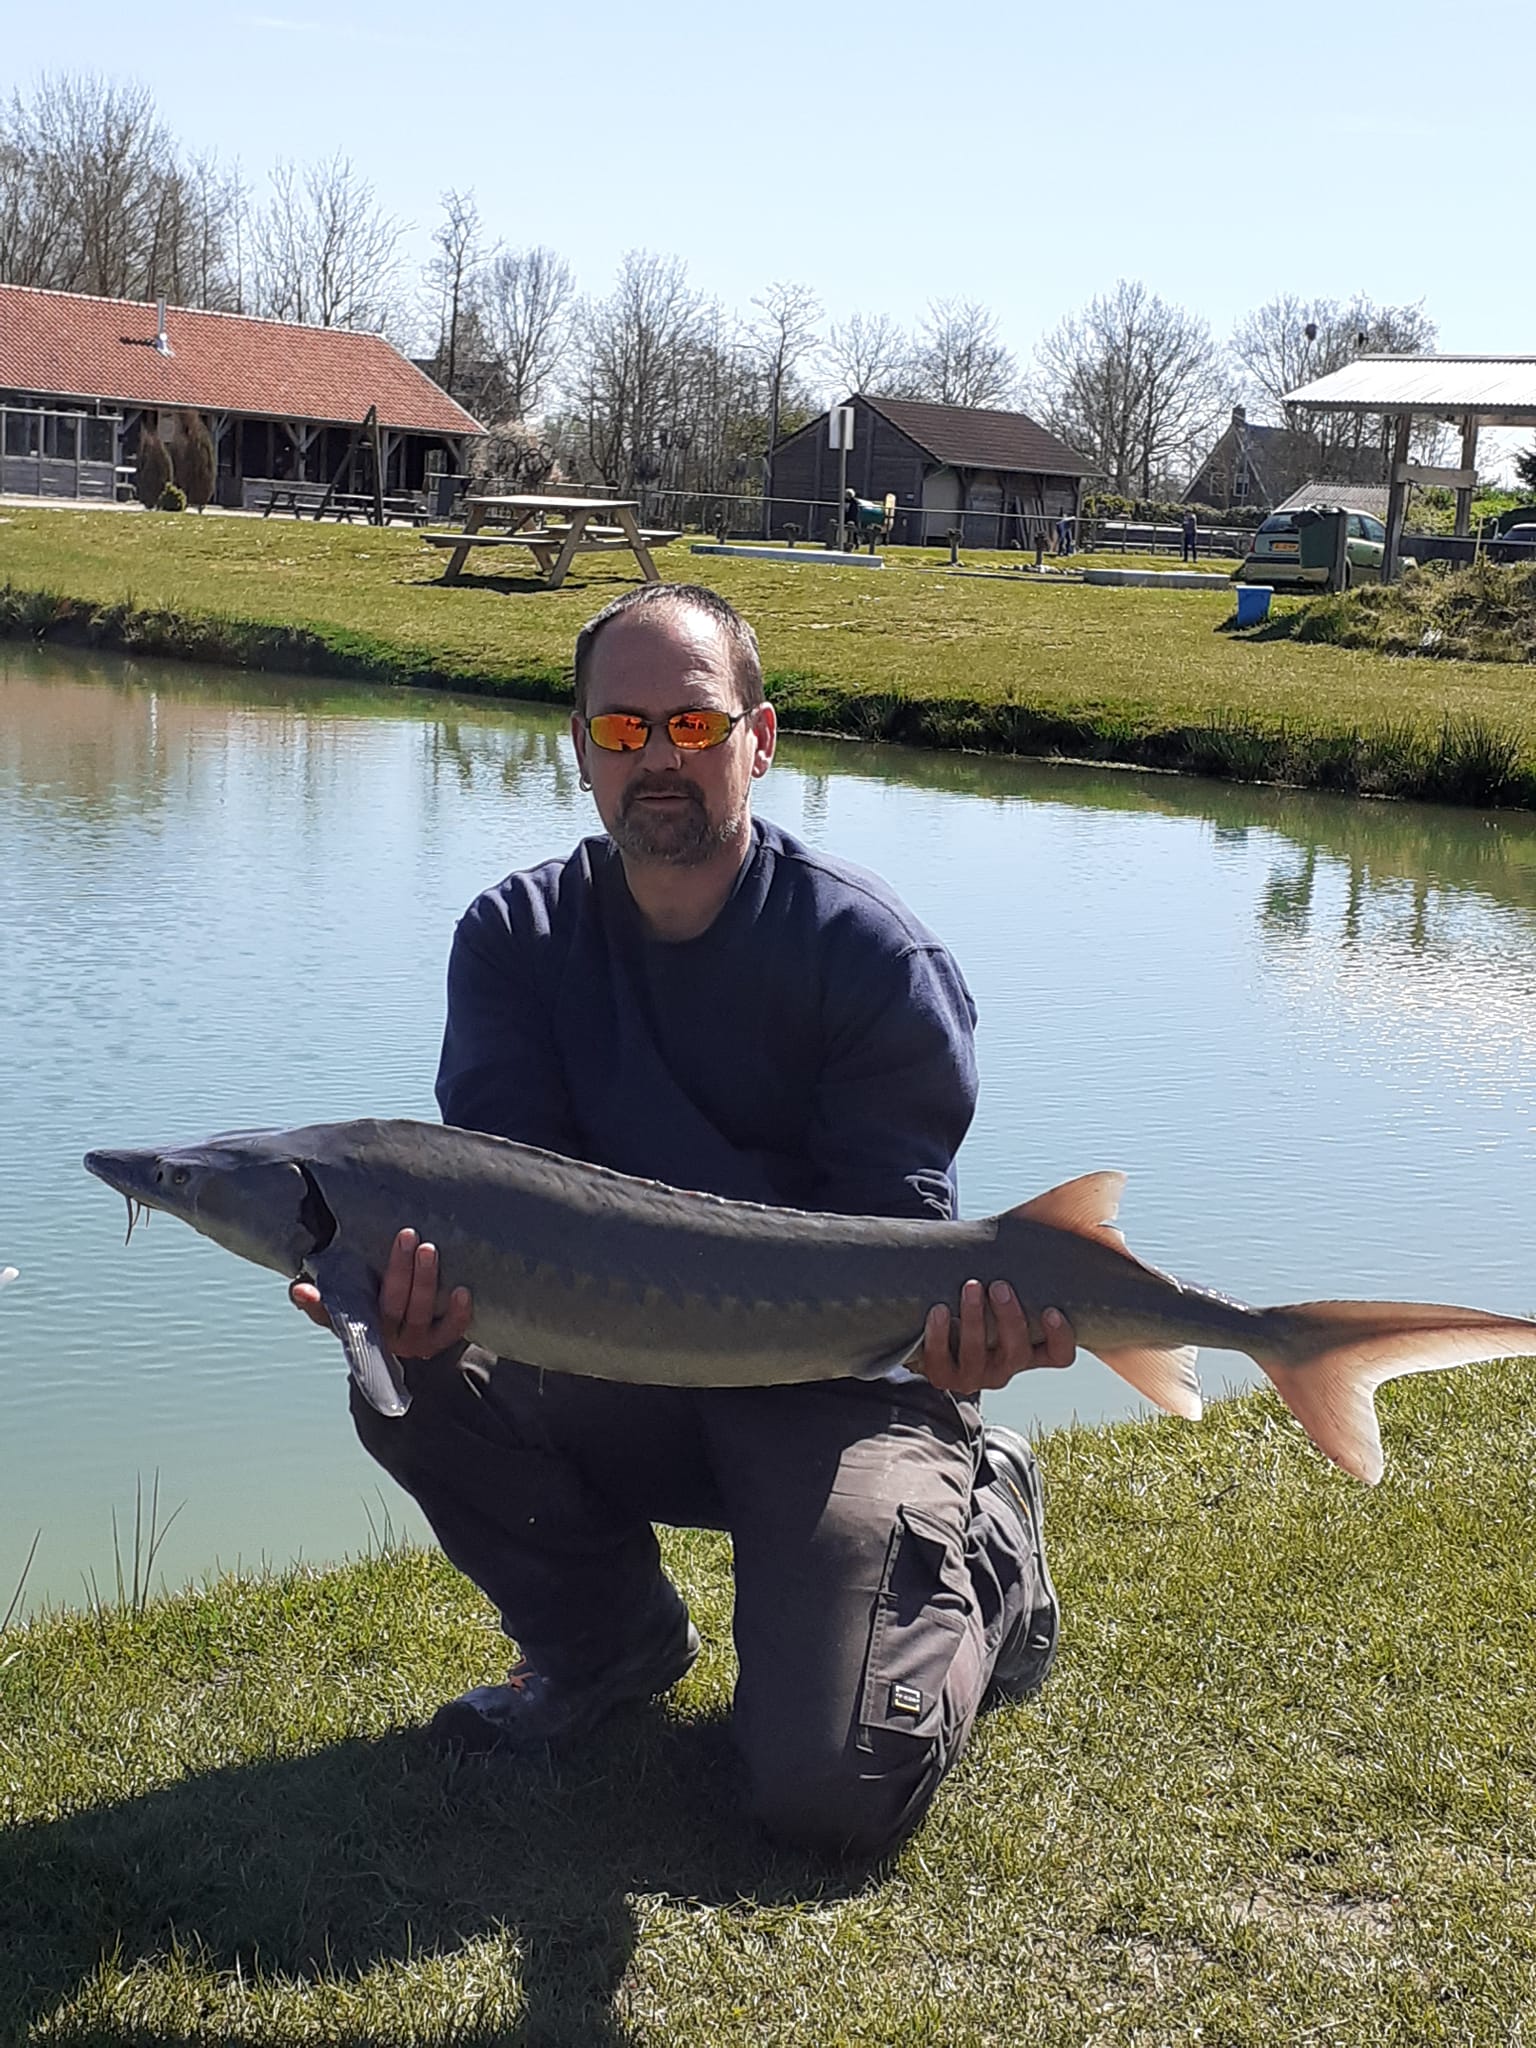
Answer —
162 339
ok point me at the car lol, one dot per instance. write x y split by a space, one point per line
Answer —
1514 544
1287 549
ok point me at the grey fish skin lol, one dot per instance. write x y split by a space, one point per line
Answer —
574 1268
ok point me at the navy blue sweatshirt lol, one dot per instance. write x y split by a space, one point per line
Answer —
812 1049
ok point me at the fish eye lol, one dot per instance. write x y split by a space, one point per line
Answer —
180 1177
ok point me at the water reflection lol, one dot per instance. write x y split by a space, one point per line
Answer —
1304 1024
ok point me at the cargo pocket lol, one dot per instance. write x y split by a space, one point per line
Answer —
916 1630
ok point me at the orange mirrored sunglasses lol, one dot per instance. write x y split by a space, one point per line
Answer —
626 732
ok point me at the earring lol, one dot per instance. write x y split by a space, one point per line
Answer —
583 783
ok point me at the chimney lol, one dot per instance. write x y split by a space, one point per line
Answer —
162 339
1239 415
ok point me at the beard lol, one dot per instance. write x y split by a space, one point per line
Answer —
683 833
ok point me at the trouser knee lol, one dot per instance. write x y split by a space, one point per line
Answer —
855 1804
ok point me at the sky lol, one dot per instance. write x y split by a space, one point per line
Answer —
1025 156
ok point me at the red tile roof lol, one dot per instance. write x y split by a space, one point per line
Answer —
67 346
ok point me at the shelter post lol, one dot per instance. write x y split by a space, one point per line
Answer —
1397 496
1468 462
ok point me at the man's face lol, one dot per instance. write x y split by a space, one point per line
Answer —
665 803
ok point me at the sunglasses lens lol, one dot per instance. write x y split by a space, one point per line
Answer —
692 730
618 732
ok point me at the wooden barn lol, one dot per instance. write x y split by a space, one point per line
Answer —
998 478
79 376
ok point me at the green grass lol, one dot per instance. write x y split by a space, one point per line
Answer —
909 653
1281 1788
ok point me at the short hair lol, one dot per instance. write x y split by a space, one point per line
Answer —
741 642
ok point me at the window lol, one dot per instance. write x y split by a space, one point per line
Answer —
1356 527
59 431
1372 528
98 441
21 433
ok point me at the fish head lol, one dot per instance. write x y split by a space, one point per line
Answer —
240 1189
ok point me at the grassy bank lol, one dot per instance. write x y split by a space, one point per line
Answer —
1282 1786
1483 613
910 654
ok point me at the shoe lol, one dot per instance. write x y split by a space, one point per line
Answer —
1028 1650
531 1709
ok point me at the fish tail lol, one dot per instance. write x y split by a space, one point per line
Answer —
1327 1358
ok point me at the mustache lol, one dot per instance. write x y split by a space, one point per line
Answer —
662 785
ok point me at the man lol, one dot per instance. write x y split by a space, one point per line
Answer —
1191 536
698 998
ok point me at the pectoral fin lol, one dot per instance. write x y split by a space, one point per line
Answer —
349 1292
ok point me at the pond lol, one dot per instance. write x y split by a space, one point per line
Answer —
1303 1025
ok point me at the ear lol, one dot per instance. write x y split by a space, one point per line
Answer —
579 741
765 736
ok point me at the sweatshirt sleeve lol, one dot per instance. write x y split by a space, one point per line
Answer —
897 1089
499 1071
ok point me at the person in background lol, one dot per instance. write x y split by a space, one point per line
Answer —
1191 536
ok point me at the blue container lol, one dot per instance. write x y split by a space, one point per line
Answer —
1253 603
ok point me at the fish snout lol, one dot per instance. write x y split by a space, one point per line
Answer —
142 1176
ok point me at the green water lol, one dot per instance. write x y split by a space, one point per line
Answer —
1303 1025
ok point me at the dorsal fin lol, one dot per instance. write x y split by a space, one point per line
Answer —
1086 1206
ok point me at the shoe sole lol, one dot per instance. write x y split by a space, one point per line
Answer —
1021 1474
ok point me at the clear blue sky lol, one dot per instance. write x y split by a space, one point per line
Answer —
1023 155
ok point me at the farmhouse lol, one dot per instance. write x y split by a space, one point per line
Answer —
996 477
80 376
1253 465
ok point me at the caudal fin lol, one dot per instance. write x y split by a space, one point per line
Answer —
1327 1358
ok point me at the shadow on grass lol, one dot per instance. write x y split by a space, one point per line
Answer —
367 1853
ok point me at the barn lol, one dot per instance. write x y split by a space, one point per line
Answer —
999 478
79 377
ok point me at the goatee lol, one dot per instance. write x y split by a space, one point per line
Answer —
681 832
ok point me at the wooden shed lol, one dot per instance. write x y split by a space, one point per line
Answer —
998 478
79 375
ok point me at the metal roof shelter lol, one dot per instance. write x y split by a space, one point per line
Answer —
1469 391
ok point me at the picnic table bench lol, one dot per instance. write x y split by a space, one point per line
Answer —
585 526
317 499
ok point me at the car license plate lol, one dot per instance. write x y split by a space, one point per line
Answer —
1283 547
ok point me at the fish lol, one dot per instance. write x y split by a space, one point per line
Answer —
574 1268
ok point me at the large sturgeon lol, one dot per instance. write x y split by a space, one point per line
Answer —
577 1269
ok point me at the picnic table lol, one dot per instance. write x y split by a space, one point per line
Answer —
554 530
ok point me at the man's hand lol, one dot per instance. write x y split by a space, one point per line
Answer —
992 1341
409 1318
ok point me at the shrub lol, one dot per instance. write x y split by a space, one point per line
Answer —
152 471
196 463
172 499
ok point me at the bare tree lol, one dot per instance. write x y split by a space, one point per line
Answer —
1291 341
1136 384
324 253
634 350
870 353
525 307
960 358
94 197
782 336
452 277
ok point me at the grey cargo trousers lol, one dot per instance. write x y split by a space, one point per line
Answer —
877 1567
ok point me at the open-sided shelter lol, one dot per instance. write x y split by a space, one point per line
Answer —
1466 391
79 376
997 478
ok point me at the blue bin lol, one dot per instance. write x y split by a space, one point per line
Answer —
1253 603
